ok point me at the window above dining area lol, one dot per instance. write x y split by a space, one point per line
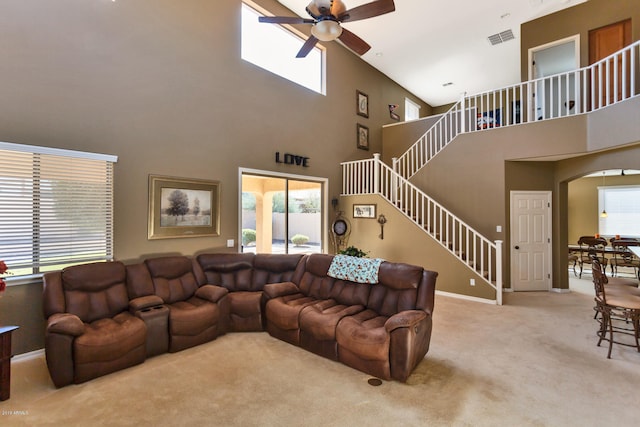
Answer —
619 208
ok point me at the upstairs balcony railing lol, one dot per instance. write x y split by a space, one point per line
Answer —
604 83
372 176
607 82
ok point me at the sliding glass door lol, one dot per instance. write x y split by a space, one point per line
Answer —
282 213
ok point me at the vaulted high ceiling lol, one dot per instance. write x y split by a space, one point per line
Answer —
439 49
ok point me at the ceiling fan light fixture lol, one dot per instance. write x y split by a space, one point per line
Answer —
326 30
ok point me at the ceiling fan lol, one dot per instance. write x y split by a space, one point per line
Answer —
327 16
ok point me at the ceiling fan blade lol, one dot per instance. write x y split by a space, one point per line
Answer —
368 10
284 20
354 42
307 47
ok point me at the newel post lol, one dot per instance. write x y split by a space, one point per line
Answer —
499 272
376 173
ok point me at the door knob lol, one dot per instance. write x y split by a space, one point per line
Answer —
517 247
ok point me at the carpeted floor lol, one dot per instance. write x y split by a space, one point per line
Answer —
532 362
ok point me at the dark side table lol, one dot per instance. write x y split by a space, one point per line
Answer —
5 360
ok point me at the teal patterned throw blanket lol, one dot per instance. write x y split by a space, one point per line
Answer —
359 270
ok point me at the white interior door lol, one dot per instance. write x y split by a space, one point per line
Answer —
531 240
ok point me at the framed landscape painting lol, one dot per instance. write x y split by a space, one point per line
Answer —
181 207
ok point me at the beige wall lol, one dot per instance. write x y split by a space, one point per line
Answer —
579 19
160 84
473 176
405 242
399 137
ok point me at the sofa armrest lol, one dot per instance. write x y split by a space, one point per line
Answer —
211 293
141 303
410 333
405 319
274 290
66 324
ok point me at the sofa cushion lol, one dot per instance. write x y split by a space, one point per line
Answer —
284 311
274 268
320 319
173 278
315 282
192 317
387 301
245 311
397 275
364 335
245 304
108 339
231 271
95 291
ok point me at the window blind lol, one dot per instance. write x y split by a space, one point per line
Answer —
622 204
56 208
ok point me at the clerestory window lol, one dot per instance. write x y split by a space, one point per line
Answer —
274 48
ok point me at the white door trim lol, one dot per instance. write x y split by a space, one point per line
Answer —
532 51
320 180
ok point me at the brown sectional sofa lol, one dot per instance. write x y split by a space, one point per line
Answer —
104 317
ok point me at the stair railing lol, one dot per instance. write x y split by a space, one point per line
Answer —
372 176
604 83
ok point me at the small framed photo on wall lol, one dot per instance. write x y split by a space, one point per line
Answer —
362 100
364 211
363 137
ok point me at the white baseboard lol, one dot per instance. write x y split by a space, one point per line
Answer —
560 290
466 297
28 356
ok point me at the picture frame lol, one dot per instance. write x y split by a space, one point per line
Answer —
183 207
362 104
364 210
488 119
362 137
392 112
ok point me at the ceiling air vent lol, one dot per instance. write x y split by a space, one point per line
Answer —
502 37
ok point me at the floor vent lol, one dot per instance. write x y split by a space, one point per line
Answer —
502 37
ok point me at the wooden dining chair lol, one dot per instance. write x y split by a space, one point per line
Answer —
589 245
618 308
623 257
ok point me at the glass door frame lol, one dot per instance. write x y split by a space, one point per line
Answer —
324 183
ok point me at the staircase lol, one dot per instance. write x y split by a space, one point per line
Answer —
609 81
476 252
